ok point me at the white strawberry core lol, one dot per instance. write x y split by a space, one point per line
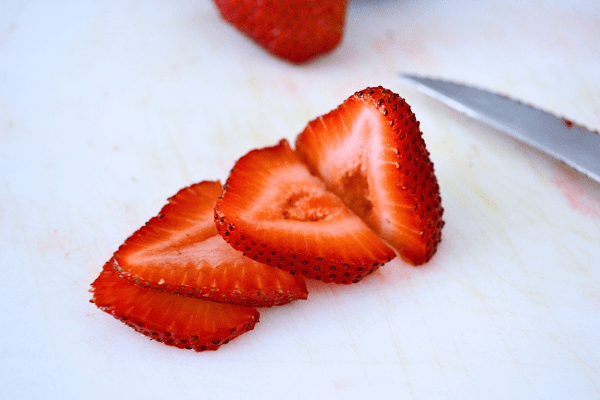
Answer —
354 166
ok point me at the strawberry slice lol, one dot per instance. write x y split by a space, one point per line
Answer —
279 214
180 251
370 152
172 319
295 30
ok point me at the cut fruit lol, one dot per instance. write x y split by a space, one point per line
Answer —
180 251
172 319
279 214
371 153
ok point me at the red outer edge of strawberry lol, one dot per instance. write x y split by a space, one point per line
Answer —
257 298
168 338
297 263
430 222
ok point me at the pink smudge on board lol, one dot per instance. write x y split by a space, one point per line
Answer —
412 46
579 197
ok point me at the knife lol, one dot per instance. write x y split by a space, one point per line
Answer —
564 140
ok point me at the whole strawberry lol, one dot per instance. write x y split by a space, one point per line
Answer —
295 30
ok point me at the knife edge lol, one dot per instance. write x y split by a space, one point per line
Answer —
566 141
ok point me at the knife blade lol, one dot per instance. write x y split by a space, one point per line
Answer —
562 139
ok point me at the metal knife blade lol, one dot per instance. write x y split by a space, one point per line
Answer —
570 143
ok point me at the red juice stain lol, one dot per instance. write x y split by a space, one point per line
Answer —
568 123
579 198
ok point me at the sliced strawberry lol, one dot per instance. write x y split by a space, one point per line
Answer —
175 320
370 152
279 214
180 251
295 30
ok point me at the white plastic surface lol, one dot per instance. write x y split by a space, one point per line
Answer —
108 108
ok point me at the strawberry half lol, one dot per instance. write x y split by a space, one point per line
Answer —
279 214
172 319
370 152
295 30
180 251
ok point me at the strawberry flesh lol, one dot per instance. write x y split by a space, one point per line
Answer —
371 153
180 251
279 214
172 319
295 30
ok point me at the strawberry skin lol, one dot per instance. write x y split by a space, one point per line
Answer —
180 251
295 30
277 213
371 153
172 319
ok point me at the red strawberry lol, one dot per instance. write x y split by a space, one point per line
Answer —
279 214
370 152
180 251
175 320
296 30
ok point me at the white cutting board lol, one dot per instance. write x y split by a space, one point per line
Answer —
108 108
